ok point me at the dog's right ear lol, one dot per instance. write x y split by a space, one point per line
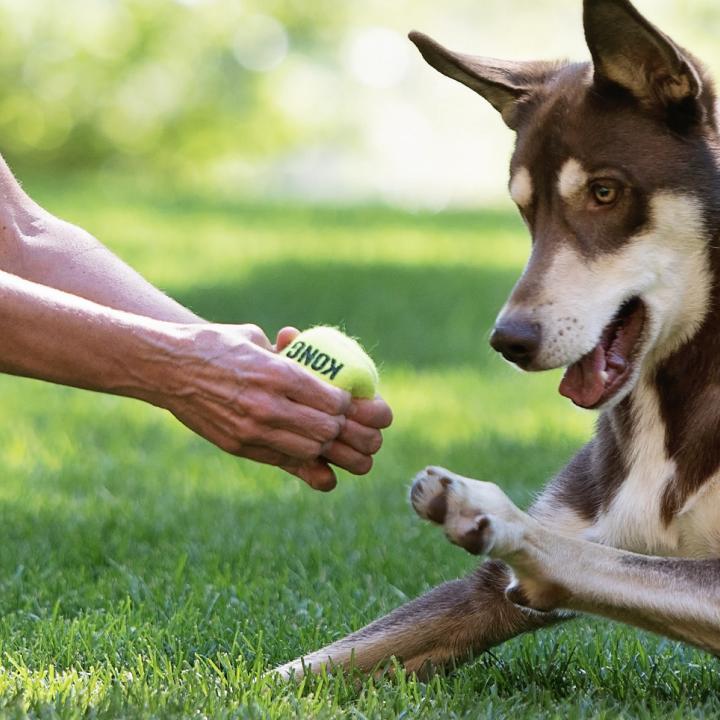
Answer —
629 51
504 84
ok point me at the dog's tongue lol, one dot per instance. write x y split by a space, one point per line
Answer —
583 382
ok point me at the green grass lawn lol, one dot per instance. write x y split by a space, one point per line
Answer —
145 574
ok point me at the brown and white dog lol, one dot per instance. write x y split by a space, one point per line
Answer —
616 172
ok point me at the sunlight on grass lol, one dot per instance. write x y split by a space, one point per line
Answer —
190 242
445 407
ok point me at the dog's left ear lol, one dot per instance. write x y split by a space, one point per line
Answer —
506 85
629 51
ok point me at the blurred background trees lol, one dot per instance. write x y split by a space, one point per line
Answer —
314 99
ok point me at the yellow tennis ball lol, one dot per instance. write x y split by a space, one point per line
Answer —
336 358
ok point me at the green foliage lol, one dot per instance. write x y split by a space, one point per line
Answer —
145 574
83 82
293 98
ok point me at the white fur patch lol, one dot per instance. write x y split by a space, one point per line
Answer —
571 179
697 522
521 188
634 520
666 266
558 516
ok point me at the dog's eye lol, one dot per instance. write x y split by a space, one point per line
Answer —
604 193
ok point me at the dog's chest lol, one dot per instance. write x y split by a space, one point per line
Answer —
633 522
633 519
698 524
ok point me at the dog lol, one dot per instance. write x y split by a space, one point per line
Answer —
616 173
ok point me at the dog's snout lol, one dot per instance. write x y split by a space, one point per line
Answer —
517 340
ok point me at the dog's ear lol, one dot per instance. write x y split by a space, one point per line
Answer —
629 51
505 85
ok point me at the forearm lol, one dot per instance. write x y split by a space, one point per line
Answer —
39 247
51 335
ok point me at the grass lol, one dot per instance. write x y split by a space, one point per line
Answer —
145 574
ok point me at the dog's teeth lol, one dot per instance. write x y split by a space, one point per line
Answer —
604 376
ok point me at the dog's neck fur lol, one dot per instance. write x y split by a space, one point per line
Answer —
648 479
687 386
656 456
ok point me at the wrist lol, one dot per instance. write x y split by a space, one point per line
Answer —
159 369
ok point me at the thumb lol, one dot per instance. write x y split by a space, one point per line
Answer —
285 337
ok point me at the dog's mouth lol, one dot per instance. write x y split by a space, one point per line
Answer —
598 376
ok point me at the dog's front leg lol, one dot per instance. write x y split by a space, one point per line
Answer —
678 598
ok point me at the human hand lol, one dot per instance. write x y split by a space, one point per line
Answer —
227 384
360 437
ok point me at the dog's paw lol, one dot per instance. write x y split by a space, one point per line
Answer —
475 515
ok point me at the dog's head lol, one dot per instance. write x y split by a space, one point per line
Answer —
615 174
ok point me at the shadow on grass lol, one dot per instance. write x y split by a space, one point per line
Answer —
418 315
108 524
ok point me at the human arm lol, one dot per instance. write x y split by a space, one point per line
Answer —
36 246
40 247
215 379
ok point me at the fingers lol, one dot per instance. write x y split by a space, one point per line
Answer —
265 456
259 430
308 459
317 474
372 413
359 441
306 389
307 421
285 337
295 446
348 458
365 440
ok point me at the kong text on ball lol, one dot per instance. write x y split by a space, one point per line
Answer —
336 358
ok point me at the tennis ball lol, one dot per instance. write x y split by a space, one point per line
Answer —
336 358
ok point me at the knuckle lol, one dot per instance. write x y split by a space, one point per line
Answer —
343 402
311 450
251 433
330 429
263 412
254 332
337 401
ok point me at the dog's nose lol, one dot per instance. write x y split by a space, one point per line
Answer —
517 340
